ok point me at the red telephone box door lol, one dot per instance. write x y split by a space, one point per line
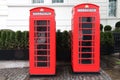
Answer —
86 38
42 41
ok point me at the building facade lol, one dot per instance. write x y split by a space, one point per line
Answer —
14 14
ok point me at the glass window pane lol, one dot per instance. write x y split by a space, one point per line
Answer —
86 19
41 35
86 43
41 52
112 8
57 1
41 28
41 22
41 46
87 61
86 55
86 25
41 58
41 40
87 31
86 49
41 64
38 1
87 38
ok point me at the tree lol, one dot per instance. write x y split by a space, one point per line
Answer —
117 25
107 28
101 27
18 39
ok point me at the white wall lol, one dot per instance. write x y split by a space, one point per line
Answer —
16 16
19 17
10 2
63 17
3 14
118 9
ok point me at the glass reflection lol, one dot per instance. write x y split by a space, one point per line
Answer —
41 40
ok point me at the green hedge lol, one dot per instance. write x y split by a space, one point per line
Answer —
19 40
107 42
13 40
63 47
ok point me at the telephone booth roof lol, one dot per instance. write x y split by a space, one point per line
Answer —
85 6
42 9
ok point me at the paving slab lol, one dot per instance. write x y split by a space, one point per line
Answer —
13 64
14 74
63 73
2 77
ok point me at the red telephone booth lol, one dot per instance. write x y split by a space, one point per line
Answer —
86 38
42 41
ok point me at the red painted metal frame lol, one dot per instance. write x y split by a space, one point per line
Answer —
49 16
78 13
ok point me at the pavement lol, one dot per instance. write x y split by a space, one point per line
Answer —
14 74
19 70
13 64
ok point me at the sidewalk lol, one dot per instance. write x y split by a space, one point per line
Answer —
14 74
19 70
14 70
13 64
